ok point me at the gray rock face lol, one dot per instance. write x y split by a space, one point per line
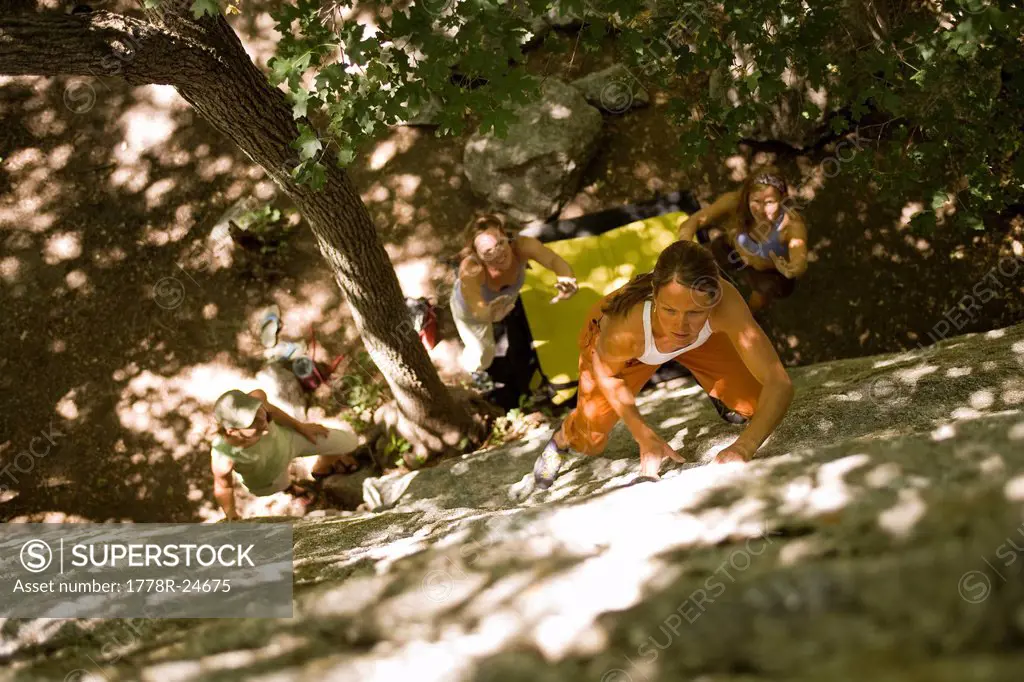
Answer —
363 489
536 168
876 536
346 490
614 89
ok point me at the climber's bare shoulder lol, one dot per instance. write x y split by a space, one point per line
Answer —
732 317
621 337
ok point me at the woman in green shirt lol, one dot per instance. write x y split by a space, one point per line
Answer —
257 441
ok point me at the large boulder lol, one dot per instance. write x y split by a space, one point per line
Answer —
533 171
877 535
614 89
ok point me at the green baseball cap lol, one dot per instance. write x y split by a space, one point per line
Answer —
236 410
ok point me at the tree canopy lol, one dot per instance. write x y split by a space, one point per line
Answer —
924 82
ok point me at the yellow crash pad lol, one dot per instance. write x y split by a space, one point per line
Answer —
602 263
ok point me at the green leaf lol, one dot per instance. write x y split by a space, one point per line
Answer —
308 143
924 221
300 103
970 221
200 8
839 124
751 80
377 71
345 156
966 38
280 68
1018 167
331 77
317 176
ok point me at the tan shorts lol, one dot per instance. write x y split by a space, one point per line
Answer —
477 337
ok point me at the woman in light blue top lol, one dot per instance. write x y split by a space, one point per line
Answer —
763 240
491 273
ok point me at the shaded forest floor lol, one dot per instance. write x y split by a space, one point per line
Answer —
120 334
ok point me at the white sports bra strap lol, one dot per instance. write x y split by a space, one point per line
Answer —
653 356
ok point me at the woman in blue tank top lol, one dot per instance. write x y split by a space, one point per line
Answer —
491 273
763 241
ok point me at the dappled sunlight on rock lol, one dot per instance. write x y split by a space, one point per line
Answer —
913 375
453 578
992 466
107 258
965 413
558 111
565 609
980 400
713 447
899 521
1013 393
883 475
673 422
800 550
1014 489
230 660
77 280
831 491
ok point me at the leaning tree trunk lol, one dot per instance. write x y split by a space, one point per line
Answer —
205 61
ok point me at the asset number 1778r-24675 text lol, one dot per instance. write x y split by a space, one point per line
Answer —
183 586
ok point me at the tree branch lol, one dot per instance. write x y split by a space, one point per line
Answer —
98 44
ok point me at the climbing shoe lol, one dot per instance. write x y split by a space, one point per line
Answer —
731 416
545 469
